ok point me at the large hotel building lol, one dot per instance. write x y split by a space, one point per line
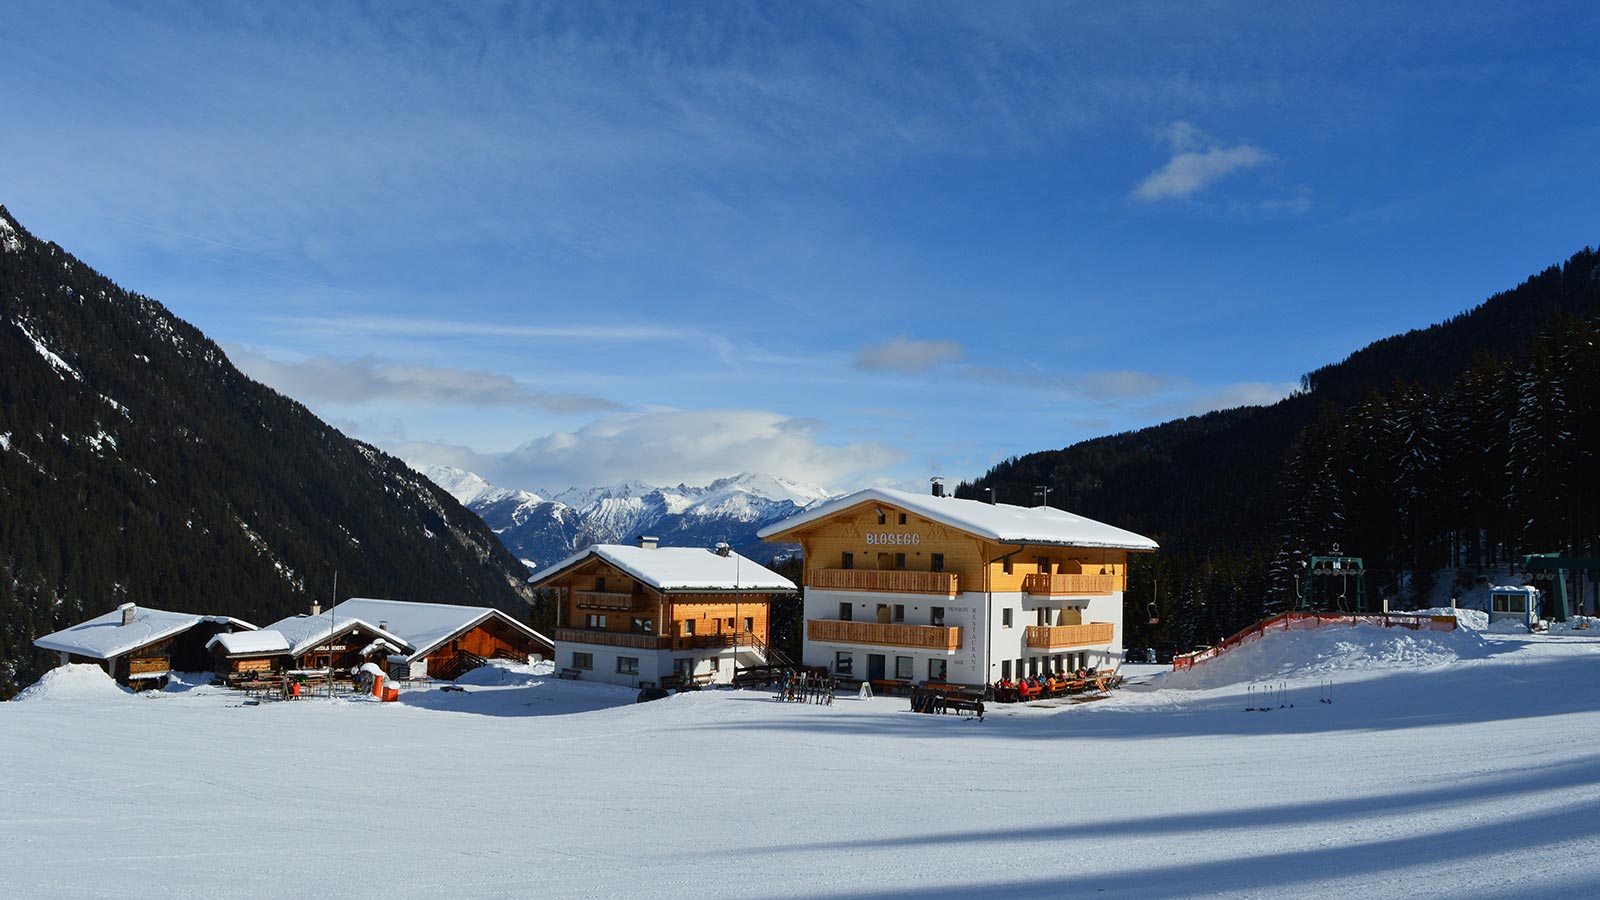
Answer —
914 587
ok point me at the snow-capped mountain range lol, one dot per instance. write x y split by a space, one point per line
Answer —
541 530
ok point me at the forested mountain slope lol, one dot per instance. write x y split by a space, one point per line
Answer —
136 463
1233 494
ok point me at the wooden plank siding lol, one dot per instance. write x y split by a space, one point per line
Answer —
589 590
1055 637
926 637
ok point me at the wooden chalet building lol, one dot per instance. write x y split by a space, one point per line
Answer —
253 653
325 640
911 587
139 646
639 615
444 640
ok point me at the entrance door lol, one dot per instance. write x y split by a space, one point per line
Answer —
875 666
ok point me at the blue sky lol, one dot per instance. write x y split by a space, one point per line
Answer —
574 244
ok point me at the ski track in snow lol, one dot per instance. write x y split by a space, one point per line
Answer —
1474 776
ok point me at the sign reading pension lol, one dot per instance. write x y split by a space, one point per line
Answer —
889 537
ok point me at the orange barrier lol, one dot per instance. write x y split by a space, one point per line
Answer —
1307 621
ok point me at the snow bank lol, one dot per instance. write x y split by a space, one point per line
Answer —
78 681
504 673
1324 651
1475 619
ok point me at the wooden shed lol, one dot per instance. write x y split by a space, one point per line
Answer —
139 646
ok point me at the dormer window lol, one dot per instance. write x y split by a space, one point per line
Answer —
883 517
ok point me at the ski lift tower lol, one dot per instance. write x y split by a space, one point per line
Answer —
1327 568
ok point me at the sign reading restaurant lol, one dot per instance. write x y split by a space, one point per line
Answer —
886 537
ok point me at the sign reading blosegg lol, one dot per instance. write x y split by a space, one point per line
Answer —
890 537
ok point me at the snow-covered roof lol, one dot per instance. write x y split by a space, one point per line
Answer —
245 643
424 626
1042 525
1514 589
680 569
304 632
105 637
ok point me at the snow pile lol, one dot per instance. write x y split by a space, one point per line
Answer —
1475 619
78 681
1507 626
1324 651
504 673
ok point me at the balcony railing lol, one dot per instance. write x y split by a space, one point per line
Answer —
602 600
1056 637
610 638
901 581
1060 585
924 637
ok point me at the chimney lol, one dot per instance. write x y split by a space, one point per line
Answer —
316 607
723 549
383 625
646 542
938 486
128 609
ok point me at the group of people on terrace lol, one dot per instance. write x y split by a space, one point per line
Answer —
1052 684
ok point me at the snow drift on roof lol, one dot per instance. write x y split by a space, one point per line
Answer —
424 626
243 642
995 521
680 569
104 637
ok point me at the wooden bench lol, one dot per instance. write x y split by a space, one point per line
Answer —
890 686
570 674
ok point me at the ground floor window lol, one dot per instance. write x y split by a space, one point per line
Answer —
1059 663
937 669
583 660
627 665
1033 667
902 668
683 668
1005 670
715 663
843 663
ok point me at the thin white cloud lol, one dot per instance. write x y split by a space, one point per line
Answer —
690 446
356 381
401 326
905 354
1196 163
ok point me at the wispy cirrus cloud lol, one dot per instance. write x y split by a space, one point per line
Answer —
905 354
355 381
1196 163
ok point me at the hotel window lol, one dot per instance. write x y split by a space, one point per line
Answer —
882 519
730 623
902 518
688 627
937 668
749 624
627 665
902 668
1005 618
843 663
937 565
844 612
642 625
847 560
936 616
1006 566
899 612
683 668
899 560
599 584
1044 565
595 620
713 663
583 660
1005 669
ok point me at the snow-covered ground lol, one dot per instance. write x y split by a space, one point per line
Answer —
1463 767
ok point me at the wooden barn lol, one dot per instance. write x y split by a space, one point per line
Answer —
249 653
335 640
140 646
444 640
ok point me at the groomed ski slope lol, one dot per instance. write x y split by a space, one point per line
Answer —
1467 769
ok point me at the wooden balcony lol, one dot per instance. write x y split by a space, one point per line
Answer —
900 581
610 638
602 600
922 637
1058 637
1068 585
